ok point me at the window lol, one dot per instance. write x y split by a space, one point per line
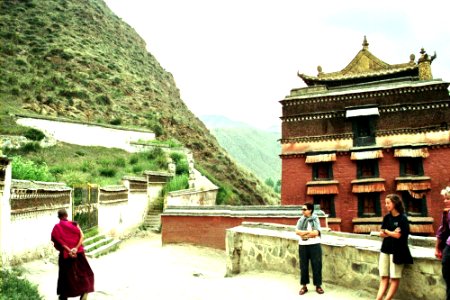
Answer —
322 171
367 168
414 207
363 131
411 166
326 203
369 205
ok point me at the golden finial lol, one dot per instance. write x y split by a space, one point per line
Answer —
365 44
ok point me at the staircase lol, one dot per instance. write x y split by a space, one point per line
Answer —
100 244
153 220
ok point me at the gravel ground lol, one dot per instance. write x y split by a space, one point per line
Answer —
144 269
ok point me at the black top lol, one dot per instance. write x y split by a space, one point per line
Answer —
390 223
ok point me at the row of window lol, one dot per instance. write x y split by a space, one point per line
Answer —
369 205
368 168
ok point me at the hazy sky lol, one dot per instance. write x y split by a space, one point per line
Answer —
238 58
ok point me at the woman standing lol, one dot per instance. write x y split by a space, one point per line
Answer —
308 229
75 277
394 249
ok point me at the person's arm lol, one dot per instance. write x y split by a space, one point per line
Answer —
300 233
315 230
74 250
396 234
383 228
437 251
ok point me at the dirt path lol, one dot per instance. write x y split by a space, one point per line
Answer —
144 269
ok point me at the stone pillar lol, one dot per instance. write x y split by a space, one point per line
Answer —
5 209
190 159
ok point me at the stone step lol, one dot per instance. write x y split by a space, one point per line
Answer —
109 247
97 244
92 239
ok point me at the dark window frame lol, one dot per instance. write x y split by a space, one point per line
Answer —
375 197
364 162
316 170
318 199
406 162
364 129
420 205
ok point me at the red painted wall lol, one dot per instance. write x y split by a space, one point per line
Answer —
209 231
295 174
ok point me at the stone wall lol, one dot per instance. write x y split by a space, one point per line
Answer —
349 260
192 197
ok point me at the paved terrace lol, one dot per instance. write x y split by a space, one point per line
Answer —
144 269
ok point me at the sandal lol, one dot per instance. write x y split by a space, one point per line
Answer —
303 290
319 290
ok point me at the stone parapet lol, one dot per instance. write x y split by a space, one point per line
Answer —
349 260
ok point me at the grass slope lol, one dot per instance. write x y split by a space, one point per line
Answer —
255 149
76 59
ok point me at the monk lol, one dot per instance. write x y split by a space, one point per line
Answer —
75 277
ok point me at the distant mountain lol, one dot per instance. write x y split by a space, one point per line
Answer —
218 121
253 148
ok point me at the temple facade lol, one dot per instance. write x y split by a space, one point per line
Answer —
354 136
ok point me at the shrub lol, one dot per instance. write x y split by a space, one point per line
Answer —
116 121
181 162
157 129
29 170
30 147
103 100
56 170
34 134
107 172
134 160
13 287
177 183
120 162
154 153
137 169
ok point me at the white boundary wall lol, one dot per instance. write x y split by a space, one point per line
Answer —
87 134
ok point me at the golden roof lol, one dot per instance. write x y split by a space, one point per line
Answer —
365 65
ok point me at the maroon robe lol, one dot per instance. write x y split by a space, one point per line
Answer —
75 276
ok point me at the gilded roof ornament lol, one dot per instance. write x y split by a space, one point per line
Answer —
365 44
425 57
319 69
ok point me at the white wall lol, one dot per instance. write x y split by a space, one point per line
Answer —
192 197
32 231
88 135
112 217
137 209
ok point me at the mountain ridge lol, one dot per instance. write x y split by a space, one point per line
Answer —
256 149
78 60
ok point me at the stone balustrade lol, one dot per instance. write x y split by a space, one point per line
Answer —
349 260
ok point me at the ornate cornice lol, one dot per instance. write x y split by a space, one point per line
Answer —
382 109
379 133
358 94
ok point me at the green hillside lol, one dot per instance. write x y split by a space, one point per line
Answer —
255 149
75 59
